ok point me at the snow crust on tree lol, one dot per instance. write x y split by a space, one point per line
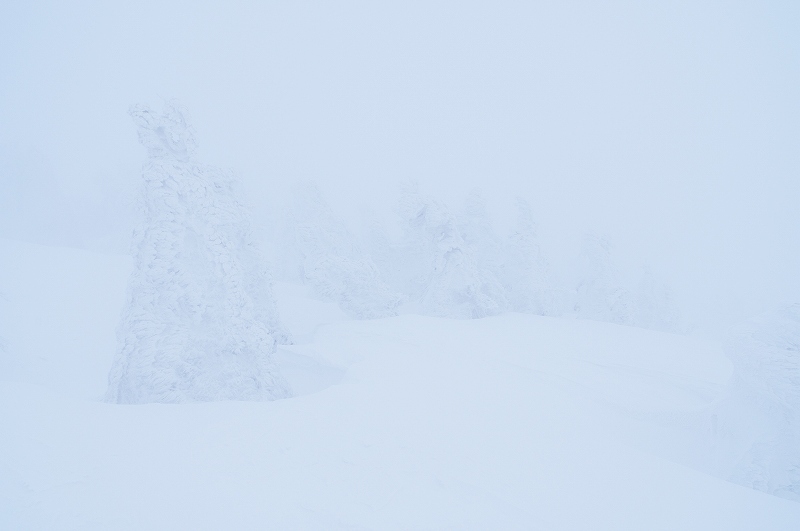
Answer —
759 422
653 305
525 272
455 265
486 247
439 270
603 294
200 323
321 252
600 293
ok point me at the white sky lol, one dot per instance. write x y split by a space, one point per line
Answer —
673 128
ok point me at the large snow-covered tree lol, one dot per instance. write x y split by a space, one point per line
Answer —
200 322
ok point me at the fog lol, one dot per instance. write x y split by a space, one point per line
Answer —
394 265
672 129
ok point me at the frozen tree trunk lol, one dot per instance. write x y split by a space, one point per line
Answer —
200 322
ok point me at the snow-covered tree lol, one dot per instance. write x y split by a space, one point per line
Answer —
485 246
653 305
438 268
200 322
524 272
601 294
384 252
759 423
321 252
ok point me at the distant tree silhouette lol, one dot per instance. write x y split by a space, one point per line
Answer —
319 251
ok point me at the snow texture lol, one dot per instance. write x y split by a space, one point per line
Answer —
525 272
485 246
200 322
318 250
457 266
513 422
441 270
653 305
600 293
763 408
603 295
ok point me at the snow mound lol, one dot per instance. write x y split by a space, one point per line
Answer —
510 422
200 322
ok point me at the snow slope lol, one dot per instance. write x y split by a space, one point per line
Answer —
509 422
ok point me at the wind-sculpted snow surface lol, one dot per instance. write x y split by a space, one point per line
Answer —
760 417
320 251
512 422
200 322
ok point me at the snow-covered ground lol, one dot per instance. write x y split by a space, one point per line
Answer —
409 422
